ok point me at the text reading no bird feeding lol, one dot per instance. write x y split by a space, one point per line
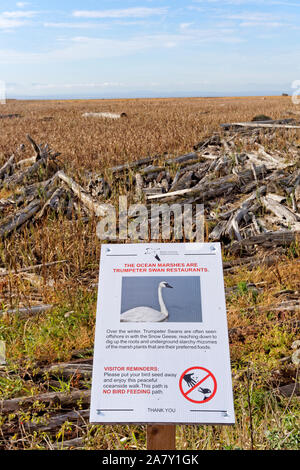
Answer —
148 314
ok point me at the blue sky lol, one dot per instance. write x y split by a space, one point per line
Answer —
149 47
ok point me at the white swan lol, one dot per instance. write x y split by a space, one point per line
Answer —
148 314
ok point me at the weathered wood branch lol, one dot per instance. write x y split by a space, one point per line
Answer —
22 177
290 390
258 125
63 399
214 188
279 210
100 210
12 223
10 116
181 159
136 164
34 310
266 240
20 218
105 115
31 268
49 424
77 443
35 146
241 332
54 201
7 167
232 227
54 423
26 162
69 370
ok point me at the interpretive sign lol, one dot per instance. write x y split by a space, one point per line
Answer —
161 343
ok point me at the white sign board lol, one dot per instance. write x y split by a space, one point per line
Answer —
161 344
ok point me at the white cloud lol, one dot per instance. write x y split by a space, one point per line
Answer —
7 24
170 44
259 20
49 86
209 35
18 14
75 25
184 26
252 16
81 48
137 12
22 4
265 24
9 20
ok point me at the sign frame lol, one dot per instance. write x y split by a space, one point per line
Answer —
116 400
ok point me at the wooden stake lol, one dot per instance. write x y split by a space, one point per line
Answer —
161 437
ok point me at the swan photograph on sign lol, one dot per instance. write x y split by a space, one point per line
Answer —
161 299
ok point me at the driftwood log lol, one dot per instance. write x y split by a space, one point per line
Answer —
34 310
78 443
7 167
94 207
215 188
105 115
279 210
267 240
11 223
63 399
66 370
10 116
5 272
79 417
259 124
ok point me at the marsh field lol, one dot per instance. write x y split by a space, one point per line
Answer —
262 344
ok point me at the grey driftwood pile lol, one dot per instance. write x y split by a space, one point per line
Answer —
250 198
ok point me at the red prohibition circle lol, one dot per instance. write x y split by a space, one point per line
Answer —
209 375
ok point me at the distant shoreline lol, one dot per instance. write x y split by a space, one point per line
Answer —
158 97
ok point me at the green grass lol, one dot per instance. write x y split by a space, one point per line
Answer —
52 336
264 418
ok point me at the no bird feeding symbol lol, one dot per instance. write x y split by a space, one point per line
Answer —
195 381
